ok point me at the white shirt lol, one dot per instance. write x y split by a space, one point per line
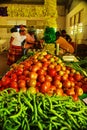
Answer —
18 39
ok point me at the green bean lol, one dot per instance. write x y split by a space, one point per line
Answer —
28 103
20 111
40 111
4 109
18 114
25 127
66 124
75 122
76 112
56 124
53 118
8 126
50 126
50 102
40 125
35 107
22 124
27 123
43 101
29 95
64 128
55 113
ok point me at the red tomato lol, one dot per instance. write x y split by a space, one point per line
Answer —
20 65
52 88
41 72
71 78
37 89
44 68
35 68
59 91
21 77
27 64
43 59
14 85
65 77
46 64
26 72
48 56
56 83
33 75
48 78
13 77
84 87
21 83
52 72
24 89
79 91
61 72
41 78
51 66
75 97
38 84
80 84
0 84
58 67
8 74
5 81
70 92
63 68
39 64
32 83
72 83
19 71
67 84
77 76
67 71
32 90
45 87
57 77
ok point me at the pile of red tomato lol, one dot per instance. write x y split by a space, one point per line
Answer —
44 73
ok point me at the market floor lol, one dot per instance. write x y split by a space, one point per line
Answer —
3 63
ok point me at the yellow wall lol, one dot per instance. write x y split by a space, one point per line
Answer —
78 37
7 22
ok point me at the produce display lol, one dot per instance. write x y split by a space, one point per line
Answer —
26 111
45 73
42 92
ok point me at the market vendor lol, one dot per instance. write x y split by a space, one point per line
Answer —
15 50
64 45
30 41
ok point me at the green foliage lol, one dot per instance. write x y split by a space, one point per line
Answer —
49 35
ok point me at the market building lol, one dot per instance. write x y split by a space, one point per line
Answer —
43 64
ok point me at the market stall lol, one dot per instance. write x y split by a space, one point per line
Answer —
42 91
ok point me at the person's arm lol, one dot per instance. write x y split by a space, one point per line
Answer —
30 39
11 40
65 45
